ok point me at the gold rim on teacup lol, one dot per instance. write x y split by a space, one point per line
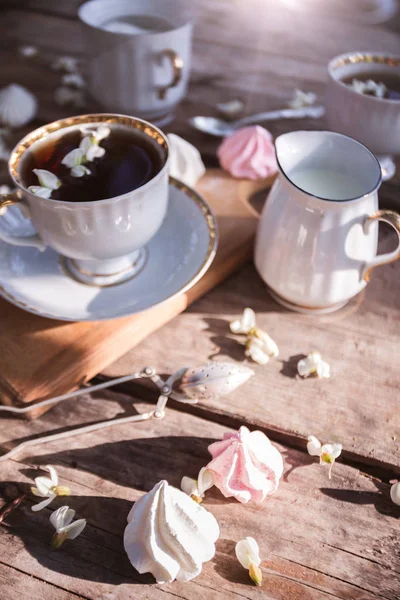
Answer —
367 58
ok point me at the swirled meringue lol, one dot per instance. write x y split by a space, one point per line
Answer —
169 534
185 162
248 153
245 465
18 105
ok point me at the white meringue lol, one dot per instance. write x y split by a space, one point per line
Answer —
213 380
185 161
395 492
169 534
18 105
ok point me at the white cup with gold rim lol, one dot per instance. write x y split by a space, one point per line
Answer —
102 242
372 121
139 55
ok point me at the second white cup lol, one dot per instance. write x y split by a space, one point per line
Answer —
139 54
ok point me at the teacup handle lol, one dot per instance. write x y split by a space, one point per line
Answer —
393 219
7 200
177 68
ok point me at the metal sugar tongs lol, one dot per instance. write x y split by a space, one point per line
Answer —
166 392
204 382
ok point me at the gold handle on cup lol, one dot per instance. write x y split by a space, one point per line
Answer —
10 199
7 200
391 218
177 69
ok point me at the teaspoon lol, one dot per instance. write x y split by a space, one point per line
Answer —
221 128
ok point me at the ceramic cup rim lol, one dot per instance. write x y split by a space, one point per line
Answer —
83 8
332 134
88 119
377 58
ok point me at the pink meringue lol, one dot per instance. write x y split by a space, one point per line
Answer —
249 153
245 465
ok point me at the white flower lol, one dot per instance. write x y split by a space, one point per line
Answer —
395 492
90 144
301 99
74 80
327 453
68 64
48 182
196 488
314 446
246 323
28 51
48 488
66 529
248 554
73 160
370 87
259 345
313 365
80 171
65 96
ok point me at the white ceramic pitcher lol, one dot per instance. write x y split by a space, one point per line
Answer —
317 237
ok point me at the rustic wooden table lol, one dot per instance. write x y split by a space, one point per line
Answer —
319 538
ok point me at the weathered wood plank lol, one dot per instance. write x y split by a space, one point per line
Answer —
320 538
15 585
358 406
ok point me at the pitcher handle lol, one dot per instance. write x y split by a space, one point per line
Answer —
177 69
393 219
10 199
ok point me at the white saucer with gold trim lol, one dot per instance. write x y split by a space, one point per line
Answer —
173 261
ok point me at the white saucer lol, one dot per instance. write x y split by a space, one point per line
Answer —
176 258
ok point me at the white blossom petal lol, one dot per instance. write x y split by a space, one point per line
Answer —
189 486
101 132
245 323
95 152
73 79
28 51
395 493
73 158
301 99
248 552
313 365
65 63
80 171
332 450
85 144
269 346
255 351
204 481
43 485
47 179
53 474
65 96
314 446
323 370
44 503
38 190
74 529
62 517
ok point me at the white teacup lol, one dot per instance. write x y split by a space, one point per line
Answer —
101 242
370 120
139 55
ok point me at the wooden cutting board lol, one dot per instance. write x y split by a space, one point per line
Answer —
41 358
